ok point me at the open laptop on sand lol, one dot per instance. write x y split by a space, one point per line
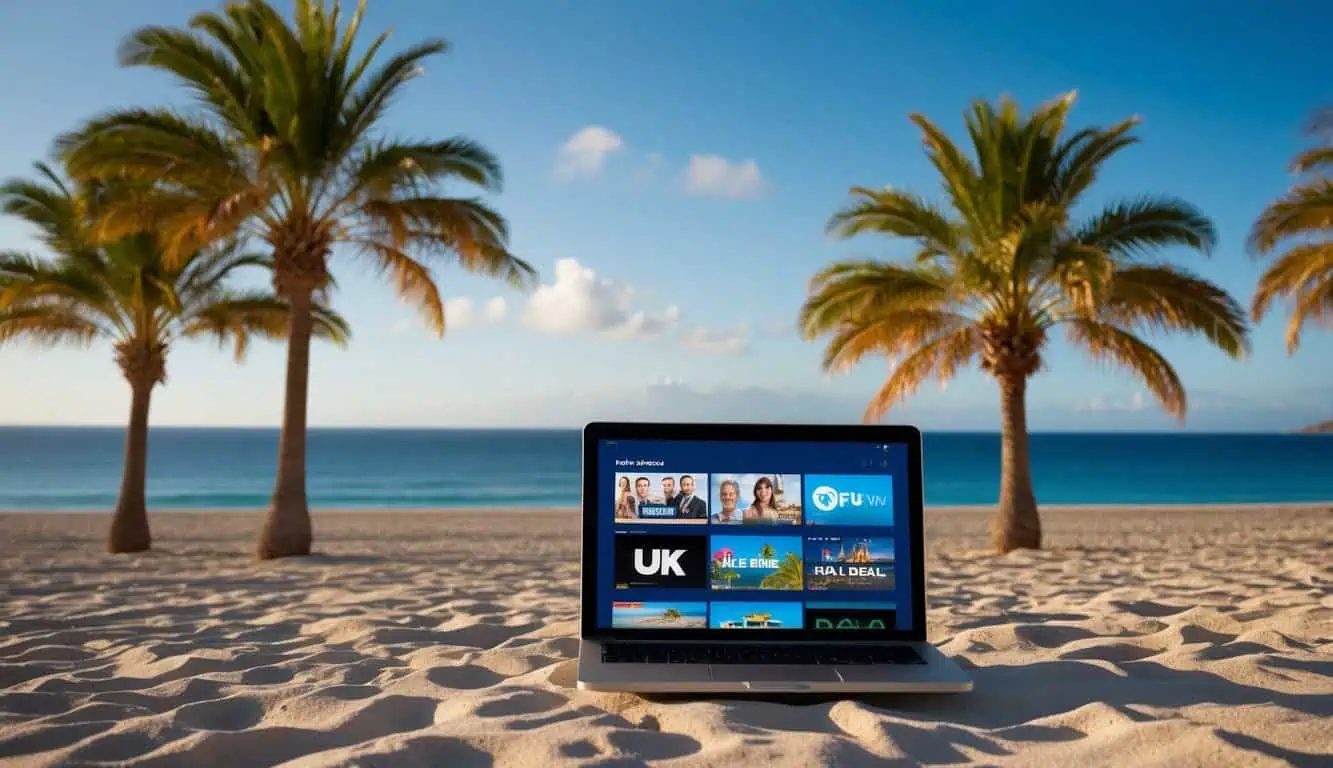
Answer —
745 557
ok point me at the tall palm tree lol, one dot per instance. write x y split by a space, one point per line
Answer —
1004 265
1302 220
126 292
286 142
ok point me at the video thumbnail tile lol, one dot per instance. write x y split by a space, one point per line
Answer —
747 615
872 616
756 499
661 497
865 500
659 615
755 562
849 562
661 560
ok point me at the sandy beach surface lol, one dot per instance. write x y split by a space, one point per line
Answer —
1140 637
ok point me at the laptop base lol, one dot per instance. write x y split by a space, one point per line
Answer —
938 675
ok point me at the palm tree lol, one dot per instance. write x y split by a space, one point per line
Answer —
789 575
287 143
1004 264
1302 218
767 552
126 292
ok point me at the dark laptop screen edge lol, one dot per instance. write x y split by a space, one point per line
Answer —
596 432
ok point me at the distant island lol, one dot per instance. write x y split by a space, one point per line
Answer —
1322 428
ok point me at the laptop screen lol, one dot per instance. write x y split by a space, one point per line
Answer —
738 536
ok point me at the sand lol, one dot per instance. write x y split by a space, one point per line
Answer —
1141 637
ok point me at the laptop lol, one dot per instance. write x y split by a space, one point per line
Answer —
732 558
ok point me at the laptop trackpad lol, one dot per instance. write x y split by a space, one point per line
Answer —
776 673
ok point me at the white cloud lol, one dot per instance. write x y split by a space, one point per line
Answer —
458 313
462 312
715 176
1109 404
725 342
579 301
584 154
494 310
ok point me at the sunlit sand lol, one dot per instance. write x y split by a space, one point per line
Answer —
1165 637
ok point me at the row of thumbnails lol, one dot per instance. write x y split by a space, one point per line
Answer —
752 615
720 498
788 563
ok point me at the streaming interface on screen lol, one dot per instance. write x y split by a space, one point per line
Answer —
753 535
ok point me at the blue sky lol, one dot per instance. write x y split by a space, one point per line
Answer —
710 142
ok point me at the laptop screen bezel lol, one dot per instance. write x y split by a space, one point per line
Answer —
594 434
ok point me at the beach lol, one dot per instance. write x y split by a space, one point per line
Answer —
1140 636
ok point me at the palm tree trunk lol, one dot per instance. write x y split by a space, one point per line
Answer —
129 522
1016 524
286 530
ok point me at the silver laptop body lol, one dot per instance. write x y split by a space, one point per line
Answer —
758 558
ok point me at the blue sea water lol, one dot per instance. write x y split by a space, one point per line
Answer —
79 468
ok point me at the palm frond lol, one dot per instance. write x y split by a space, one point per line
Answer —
941 357
19 265
891 334
1083 164
900 214
237 317
48 206
1302 269
1165 298
208 270
47 325
330 326
366 106
183 222
467 231
853 291
1306 209
207 71
385 168
1314 303
1313 159
1134 228
412 279
959 174
1107 343
152 145
38 283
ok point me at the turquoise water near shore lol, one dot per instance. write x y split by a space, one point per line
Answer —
79 468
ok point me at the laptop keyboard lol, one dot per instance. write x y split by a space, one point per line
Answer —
689 653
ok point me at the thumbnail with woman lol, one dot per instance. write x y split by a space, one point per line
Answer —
626 506
756 499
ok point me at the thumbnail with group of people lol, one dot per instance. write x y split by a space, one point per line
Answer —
719 499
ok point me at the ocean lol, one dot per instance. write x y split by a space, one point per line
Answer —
79 468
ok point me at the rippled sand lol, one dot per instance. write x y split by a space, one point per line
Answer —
1175 638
